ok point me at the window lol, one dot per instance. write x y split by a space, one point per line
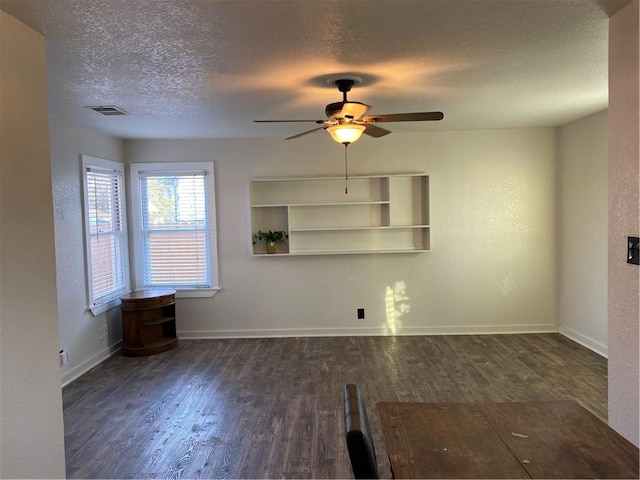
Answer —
105 232
173 213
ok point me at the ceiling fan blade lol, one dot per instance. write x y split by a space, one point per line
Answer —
304 133
288 121
404 117
375 131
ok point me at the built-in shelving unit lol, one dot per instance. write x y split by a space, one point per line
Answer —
379 214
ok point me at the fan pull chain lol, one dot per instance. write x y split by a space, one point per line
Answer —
346 175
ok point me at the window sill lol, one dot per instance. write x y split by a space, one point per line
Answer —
98 309
197 292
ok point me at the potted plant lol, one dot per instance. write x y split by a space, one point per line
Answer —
271 239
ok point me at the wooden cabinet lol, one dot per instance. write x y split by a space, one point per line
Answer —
379 214
148 322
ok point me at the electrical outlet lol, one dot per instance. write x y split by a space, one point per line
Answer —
64 357
103 333
633 250
360 313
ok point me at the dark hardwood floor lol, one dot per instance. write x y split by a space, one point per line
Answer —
272 408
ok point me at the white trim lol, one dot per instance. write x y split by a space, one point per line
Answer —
197 293
584 340
102 355
89 363
337 177
96 164
174 168
369 331
104 307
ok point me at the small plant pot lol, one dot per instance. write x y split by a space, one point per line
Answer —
271 247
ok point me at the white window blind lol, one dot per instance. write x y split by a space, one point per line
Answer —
105 227
175 229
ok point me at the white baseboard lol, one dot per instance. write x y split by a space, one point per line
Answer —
368 331
584 340
84 367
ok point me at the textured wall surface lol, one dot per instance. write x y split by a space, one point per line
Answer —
492 264
624 221
491 268
79 329
31 436
206 69
583 230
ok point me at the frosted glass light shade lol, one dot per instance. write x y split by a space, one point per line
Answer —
346 133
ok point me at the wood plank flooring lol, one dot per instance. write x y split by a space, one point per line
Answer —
272 408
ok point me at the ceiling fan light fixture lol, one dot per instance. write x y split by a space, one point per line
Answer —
346 133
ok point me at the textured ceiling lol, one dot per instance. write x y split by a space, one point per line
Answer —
207 68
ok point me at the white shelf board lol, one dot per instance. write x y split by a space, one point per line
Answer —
338 252
372 227
385 214
322 204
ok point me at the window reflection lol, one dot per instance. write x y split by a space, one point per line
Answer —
396 306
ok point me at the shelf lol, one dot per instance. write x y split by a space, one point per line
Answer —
307 253
352 215
380 214
159 321
318 191
324 204
359 239
331 229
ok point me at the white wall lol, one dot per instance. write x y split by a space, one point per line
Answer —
79 329
492 264
31 436
491 269
583 230
624 221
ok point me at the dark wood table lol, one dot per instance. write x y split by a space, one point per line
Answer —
557 439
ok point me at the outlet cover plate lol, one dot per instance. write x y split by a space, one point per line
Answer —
633 250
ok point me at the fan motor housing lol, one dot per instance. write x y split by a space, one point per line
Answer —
339 110
334 110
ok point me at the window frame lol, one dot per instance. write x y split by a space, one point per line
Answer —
137 241
101 304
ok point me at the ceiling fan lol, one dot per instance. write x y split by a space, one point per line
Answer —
346 120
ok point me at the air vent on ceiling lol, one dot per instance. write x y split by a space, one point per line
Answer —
108 110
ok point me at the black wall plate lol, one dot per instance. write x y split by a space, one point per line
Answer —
633 250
